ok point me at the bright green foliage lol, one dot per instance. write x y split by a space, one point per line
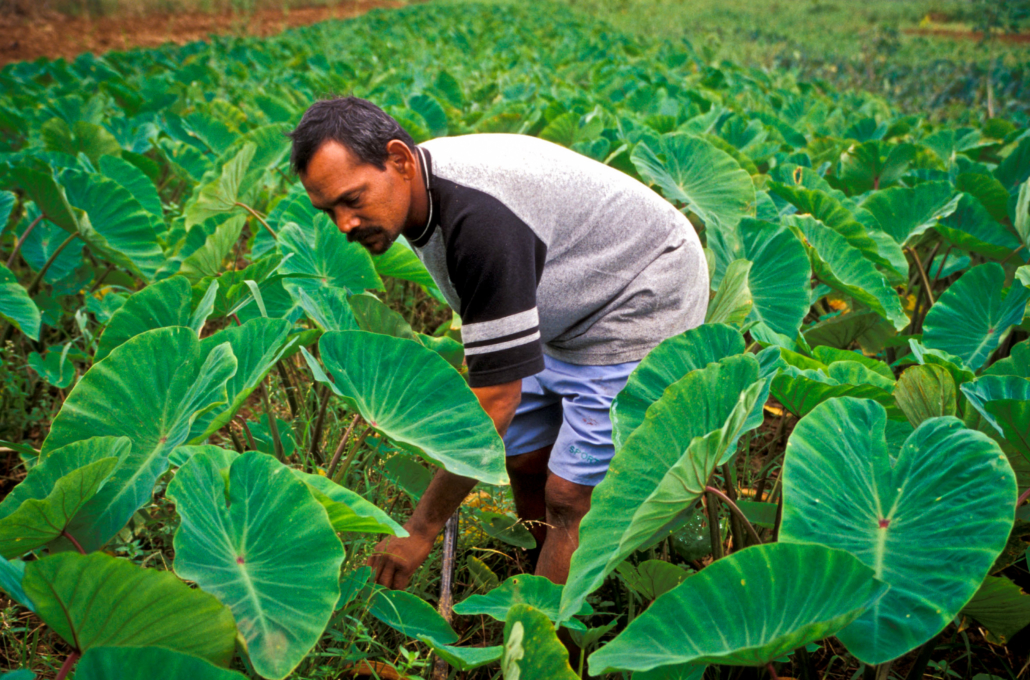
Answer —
221 194
904 214
464 658
664 365
779 275
328 307
411 616
925 392
653 578
732 303
322 256
49 196
175 382
801 390
16 306
652 464
1004 402
145 663
374 316
207 260
134 181
102 601
12 573
746 609
441 420
971 316
56 367
401 262
971 227
694 173
536 591
42 506
231 543
347 510
894 525
531 647
166 303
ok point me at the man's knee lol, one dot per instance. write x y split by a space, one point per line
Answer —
566 501
528 464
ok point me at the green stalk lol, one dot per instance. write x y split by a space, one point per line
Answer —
34 286
714 531
258 218
737 512
340 447
316 437
341 474
288 388
273 427
21 240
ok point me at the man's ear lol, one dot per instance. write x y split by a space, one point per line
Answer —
401 158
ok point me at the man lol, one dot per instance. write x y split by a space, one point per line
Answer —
565 272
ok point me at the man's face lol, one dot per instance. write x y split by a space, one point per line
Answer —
369 205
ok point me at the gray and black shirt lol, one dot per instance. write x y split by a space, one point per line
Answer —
544 251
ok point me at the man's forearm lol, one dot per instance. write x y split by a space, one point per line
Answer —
438 503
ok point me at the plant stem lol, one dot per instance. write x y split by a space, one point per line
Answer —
21 240
236 443
735 527
288 388
714 531
78 546
250 437
34 286
340 447
68 664
922 274
342 472
273 427
103 276
316 436
450 549
259 219
736 511
1012 253
772 671
1022 498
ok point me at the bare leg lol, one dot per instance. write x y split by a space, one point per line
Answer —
566 503
528 473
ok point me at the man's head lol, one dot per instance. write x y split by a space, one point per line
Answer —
358 166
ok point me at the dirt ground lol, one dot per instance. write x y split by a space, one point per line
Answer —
55 35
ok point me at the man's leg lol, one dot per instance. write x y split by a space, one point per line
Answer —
566 503
528 474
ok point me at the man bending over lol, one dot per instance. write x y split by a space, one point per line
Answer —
565 273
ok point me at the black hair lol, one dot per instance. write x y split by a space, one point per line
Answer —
358 124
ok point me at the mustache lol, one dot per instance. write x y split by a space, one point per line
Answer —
364 233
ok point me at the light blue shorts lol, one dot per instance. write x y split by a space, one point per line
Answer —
569 405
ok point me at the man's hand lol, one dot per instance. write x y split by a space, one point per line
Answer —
394 559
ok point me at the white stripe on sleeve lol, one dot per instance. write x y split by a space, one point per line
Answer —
503 345
498 328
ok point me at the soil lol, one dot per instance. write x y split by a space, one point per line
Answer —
53 35
1014 38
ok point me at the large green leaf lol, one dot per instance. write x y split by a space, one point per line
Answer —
102 601
1016 363
257 346
464 658
265 547
401 262
925 392
843 268
43 243
972 228
134 181
207 260
1004 402
16 307
347 510
118 227
1000 606
905 213
375 316
146 663
971 316
664 365
692 171
415 398
531 647
40 508
319 255
779 276
840 489
801 390
149 389
165 303
611 530
732 301
746 610
410 615
222 193
328 307
48 195
537 591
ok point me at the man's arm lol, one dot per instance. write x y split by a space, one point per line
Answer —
396 559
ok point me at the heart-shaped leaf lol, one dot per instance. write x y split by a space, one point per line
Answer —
905 213
531 647
783 597
40 508
150 389
1000 606
415 398
160 305
841 490
145 663
779 276
1004 402
971 316
664 365
248 547
16 307
319 255
102 601
411 615
347 510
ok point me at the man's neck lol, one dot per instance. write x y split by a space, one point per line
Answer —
419 214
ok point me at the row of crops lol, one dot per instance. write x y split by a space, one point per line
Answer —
218 403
